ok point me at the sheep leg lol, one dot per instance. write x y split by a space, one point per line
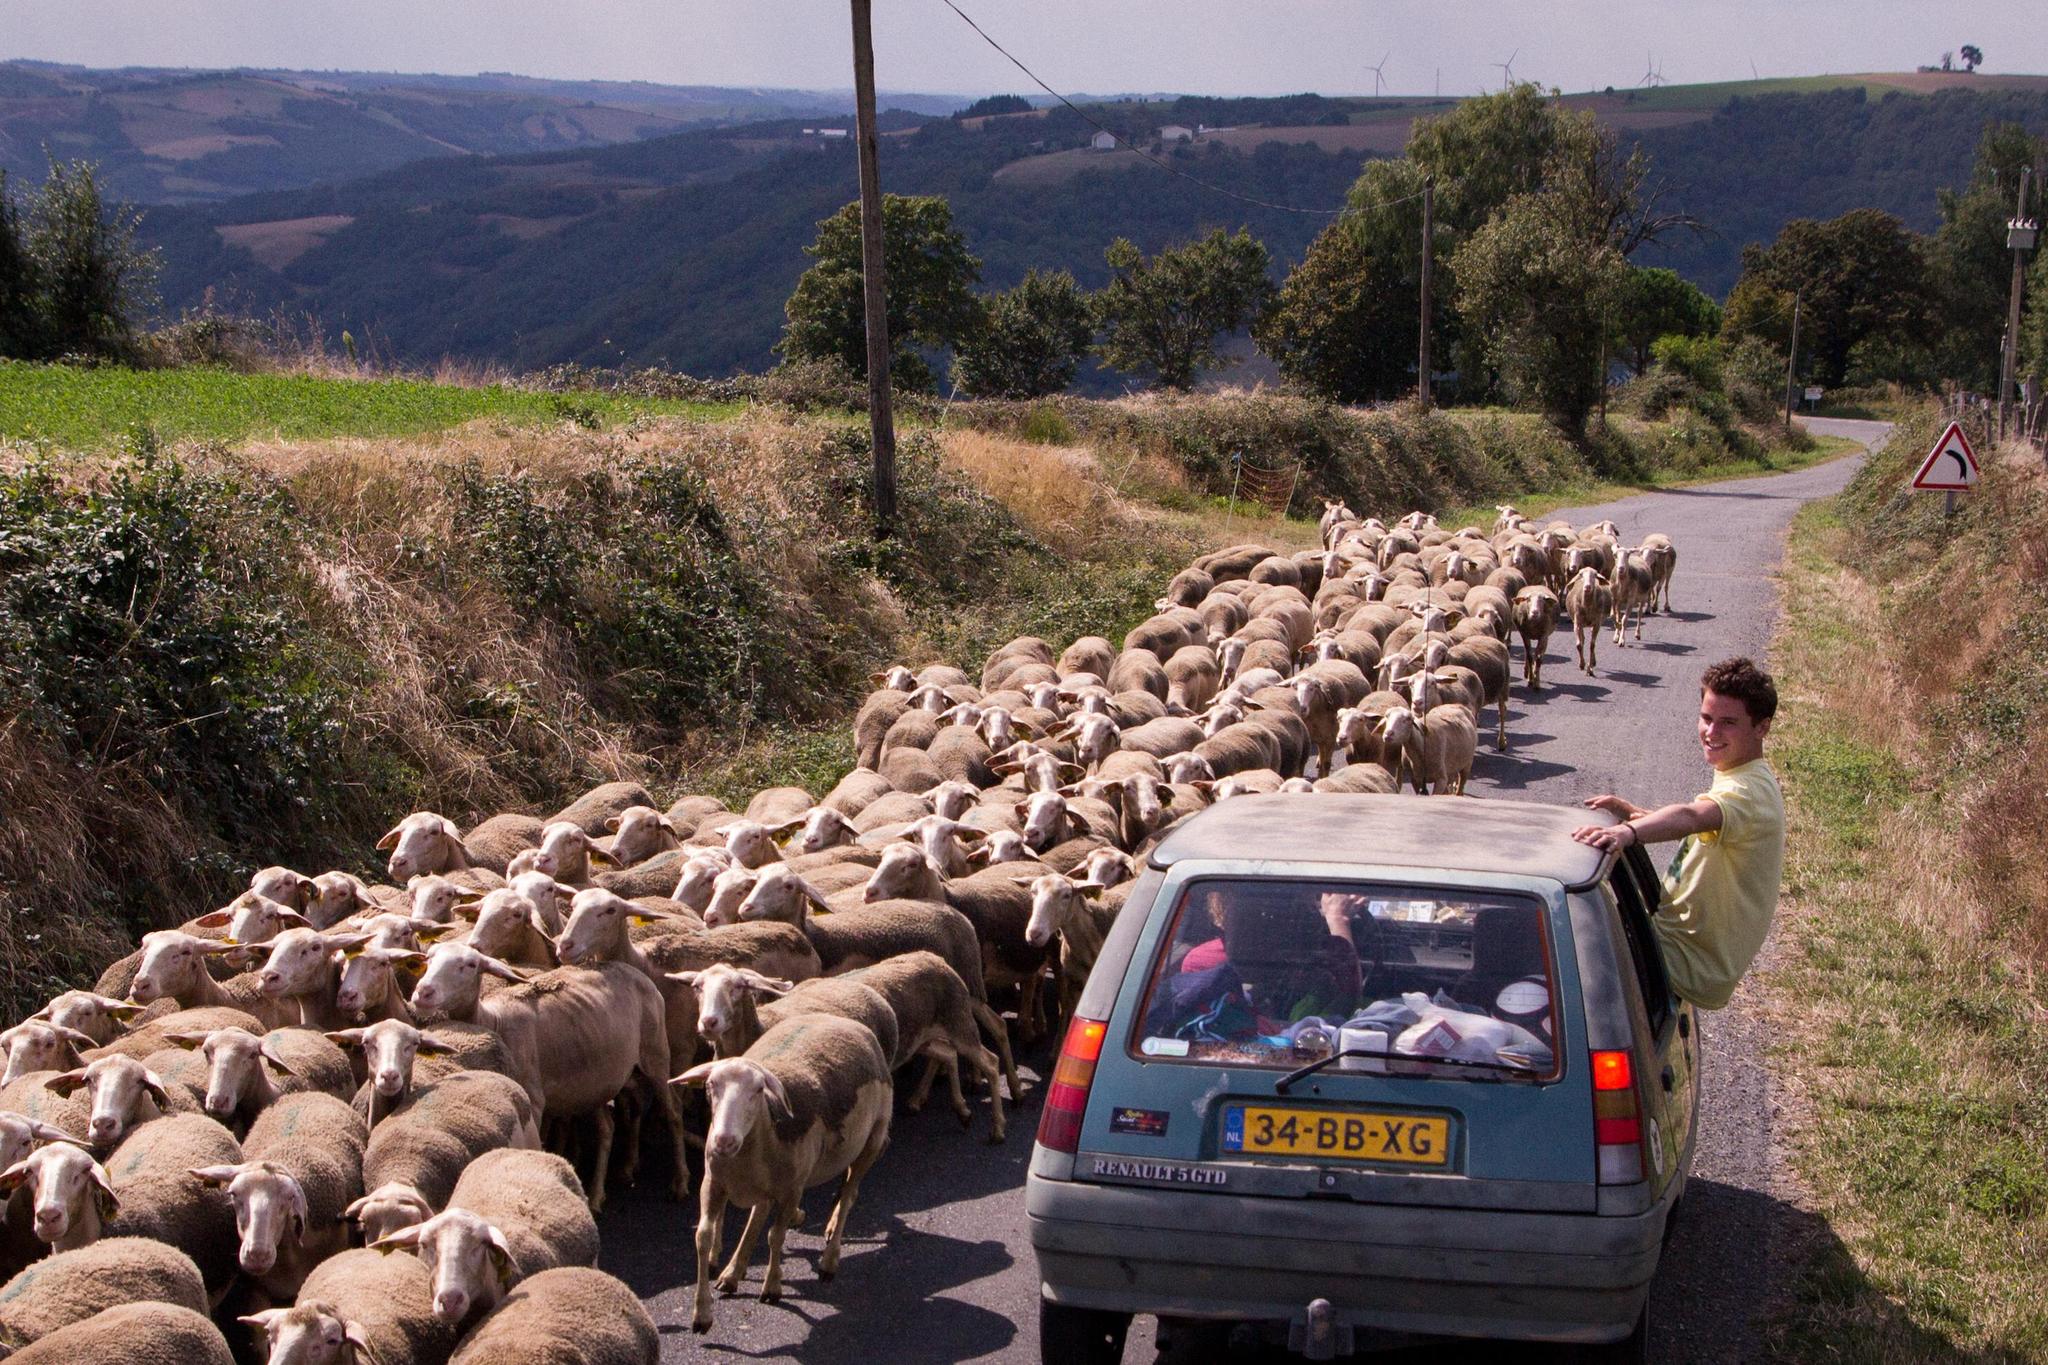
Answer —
786 1213
710 1216
629 1162
735 1273
679 1145
1501 735
915 1101
999 1034
842 1208
985 1062
601 1164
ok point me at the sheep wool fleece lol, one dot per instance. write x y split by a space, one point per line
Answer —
1723 889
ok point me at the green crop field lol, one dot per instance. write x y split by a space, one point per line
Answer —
84 409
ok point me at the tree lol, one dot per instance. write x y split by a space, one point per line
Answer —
1967 261
930 276
1858 275
1973 57
1657 303
1030 342
92 280
20 329
995 104
1165 314
1536 287
1338 327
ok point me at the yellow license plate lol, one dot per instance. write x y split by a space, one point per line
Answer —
1336 1134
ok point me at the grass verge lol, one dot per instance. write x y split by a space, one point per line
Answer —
1913 1035
76 408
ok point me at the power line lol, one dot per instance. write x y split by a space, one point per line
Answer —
1129 146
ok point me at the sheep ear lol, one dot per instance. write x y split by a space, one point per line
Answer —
611 826
403 1239
811 895
292 919
277 1062
347 1038
696 1075
389 841
1024 881
264 1319
218 919
121 1011
501 1258
771 985
434 1047
65 1084
15 1176
427 931
1203 785
216 1176
191 1042
771 1085
103 1197
494 967
154 1084
1072 770
686 978
1091 890
600 857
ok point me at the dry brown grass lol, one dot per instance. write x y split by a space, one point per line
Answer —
1058 492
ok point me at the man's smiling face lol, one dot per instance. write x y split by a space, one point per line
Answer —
1728 737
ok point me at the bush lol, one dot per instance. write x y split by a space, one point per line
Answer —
1698 358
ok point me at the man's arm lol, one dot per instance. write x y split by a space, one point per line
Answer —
1674 821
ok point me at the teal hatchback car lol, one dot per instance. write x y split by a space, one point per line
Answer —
1359 1069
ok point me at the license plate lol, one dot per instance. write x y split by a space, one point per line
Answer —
1332 1134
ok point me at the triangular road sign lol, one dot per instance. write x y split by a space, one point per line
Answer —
1951 466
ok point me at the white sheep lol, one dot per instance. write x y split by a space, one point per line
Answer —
570 1313
301 1170
71 1286
809 1102
513 1214
360 1307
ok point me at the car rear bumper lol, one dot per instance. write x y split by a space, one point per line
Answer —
1457 1272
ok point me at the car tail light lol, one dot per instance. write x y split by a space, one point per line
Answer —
1059 1127
1617 1119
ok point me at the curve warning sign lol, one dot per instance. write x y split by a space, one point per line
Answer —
1951 467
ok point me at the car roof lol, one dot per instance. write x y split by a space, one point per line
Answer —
1424 832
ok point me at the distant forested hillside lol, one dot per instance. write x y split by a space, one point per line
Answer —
681 250
1764 160
182 136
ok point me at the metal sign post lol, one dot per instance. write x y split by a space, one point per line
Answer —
1950 468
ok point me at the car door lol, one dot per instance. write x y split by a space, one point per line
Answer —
1671 1026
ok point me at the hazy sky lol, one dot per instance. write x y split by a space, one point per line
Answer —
1202 46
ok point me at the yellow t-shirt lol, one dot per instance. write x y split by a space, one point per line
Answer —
1723 887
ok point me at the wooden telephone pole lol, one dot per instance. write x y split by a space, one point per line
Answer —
881 414
1422 391
2019 236
1792 357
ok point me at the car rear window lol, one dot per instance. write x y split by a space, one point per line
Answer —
1262 972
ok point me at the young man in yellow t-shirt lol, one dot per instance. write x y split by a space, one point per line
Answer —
1722 889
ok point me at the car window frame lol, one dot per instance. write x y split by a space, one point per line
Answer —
1154 978
1626 878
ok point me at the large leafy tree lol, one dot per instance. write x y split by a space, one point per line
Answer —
1655 303
930 277
1968 264
1164 315
1030 342
1537 287
1482 155
1859 277
1337 328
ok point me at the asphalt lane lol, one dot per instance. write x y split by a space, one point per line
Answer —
936 1264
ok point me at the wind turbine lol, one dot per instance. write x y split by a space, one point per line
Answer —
1653 74
1507 69
1377 82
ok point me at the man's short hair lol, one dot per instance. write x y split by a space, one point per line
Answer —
1743 680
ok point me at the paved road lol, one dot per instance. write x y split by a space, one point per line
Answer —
937 1267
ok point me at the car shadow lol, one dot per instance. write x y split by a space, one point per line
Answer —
1514 772
1709 1304
1632 679
1567 691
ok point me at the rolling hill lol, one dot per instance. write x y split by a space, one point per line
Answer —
681 249
167 135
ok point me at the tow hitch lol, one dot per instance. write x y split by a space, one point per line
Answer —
1317 1335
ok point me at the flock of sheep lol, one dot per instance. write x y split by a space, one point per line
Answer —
345 1121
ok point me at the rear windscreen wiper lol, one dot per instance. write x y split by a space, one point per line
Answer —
1303 1072
1300 1073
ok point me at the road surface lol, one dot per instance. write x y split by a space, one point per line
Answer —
937 1266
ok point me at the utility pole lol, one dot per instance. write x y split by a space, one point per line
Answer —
2019 235
1422 392
1792 357
881 415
